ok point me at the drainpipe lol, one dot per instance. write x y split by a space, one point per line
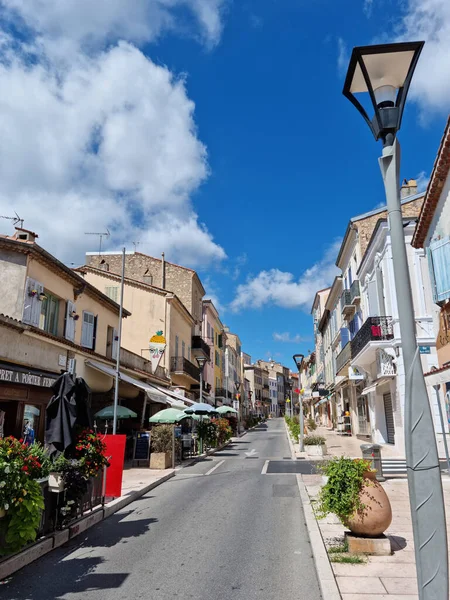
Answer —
163 272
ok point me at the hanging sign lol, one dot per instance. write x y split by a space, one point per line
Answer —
424 349
354 374
157 347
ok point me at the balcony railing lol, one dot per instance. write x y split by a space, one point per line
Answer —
344 357
346 302
222 393
134 361
355 291
180 364
374 329
198 343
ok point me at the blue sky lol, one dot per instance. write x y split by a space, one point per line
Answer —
213 130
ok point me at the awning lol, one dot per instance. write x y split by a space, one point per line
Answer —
438 376
369 388
172 398
321 402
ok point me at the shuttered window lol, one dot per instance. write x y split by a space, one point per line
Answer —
112 292
88 330
439 261
176 345
183 349
32 302
115 344
69 332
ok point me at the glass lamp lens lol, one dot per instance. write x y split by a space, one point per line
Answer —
385 95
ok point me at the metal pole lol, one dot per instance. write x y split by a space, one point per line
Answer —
201 385
441 417
301 418
424 478
116 386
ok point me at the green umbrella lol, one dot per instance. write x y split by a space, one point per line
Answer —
168 415
122 413
226 409
194 417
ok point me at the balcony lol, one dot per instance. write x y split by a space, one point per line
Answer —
182 366
355 292
346 303
200 347
376 330
343 358
139 363
223 393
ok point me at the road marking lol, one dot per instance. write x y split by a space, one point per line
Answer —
215 467
251 454
265 467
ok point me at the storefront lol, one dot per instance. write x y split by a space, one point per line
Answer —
24 394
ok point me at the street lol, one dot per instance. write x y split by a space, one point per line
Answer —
220 529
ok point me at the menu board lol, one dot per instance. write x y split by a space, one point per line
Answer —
142 446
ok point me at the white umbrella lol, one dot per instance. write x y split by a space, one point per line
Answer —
200 408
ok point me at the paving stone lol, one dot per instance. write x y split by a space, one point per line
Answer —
368 586
400 585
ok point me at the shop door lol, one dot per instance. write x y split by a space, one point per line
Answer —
363 420
389 413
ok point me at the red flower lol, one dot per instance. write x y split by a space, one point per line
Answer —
24 468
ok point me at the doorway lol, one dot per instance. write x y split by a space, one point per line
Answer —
389 414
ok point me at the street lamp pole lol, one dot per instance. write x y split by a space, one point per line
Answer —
385 72
298 359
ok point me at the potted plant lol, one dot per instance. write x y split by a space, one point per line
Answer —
354 495
161 447
56 475
315 445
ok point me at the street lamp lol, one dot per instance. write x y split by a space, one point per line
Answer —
298 359
385 73
201 360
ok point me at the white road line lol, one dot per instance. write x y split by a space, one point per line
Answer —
265 467
215 467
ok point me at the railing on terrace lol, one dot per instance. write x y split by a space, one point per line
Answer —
198 343
343 357
355 291
374 329
346 301
222 393
180 364
131 360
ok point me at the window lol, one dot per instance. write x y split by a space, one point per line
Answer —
438 260
48 319
32 302
176 345
217 361
69 330
88 330
183 348
189 353
112 292
112 343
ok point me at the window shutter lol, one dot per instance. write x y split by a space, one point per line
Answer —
115 344
440 262
372 293
87 330
183 348
28 300
176 345
345 336
36 304
70 322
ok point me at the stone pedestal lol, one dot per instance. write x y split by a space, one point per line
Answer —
377 546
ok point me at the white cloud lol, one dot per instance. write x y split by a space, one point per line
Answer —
107 140
367 8
429 20
422 181
343 56
275 287
287 338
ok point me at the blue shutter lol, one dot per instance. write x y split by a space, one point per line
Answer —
345 336
440 267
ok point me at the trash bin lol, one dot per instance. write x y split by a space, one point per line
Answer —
372 452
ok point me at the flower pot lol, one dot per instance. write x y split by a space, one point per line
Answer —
56 482
160 460
319 450
376 517
2 513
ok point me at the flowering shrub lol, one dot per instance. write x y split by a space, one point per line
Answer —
224 431
90 451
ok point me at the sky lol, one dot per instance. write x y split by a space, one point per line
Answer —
212 130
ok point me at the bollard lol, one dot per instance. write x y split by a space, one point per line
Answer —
372 452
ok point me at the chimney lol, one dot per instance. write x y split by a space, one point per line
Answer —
163 272
409 188
25 235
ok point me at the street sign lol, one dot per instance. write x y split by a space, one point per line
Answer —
424 349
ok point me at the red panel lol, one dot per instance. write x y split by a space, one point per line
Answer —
115 448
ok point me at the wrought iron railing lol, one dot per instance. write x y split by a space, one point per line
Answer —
355 291
346 299
223 393
374 329
343 357
198 343
180 364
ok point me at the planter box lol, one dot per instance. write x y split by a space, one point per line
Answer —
55 482
160 460
316 450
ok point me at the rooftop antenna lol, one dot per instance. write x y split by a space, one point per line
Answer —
101 236
16 220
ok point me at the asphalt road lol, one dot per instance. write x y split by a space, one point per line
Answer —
219 530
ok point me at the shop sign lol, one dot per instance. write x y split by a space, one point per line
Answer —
354 374
424 349
14 375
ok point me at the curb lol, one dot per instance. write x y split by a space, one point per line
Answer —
325 575
54 540
291 444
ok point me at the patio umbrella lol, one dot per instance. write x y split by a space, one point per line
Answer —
200 408
168 415
226 409
69 406
195 417
122 413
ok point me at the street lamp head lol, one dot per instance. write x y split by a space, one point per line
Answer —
201 360
298 359
384 72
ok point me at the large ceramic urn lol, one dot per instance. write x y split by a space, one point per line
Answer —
376 517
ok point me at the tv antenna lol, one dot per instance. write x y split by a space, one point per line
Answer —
101 236
16 220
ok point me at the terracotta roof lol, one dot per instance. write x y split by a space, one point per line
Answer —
437 180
